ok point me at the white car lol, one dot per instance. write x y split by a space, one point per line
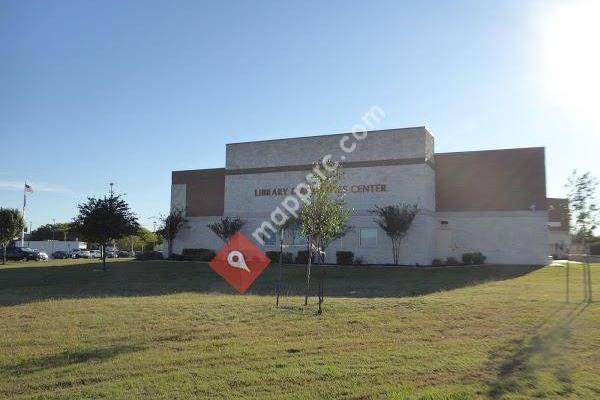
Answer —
79 253
95 253
42 255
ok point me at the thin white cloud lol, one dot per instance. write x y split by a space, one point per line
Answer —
37 186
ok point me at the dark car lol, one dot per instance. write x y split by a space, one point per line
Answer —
22 254
122 253
60 255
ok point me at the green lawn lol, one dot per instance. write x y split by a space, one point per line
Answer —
176 331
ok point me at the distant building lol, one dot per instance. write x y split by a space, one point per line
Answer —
50 246
490 201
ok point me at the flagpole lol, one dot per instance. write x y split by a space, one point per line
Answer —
24 204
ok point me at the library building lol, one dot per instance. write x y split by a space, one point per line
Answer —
490 201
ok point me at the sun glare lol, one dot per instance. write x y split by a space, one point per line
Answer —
571 51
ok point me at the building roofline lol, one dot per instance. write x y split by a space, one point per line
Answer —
490 150
330 134
199 169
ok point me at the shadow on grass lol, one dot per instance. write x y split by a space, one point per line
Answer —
517 371
69 357
137 278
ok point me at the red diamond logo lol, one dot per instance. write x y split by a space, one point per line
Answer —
239 262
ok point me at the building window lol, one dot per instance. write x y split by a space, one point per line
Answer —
269 241
444 222
299 239
368 237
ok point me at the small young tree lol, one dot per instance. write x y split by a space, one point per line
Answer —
324 244
324 215
104 220
582 206
170 227
227 227
11 226
395 221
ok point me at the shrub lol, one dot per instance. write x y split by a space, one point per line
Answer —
467 258
359 261
175 257
452 261
273 256
344 257
473 258
595 249
149 255
436 262
198 254
286 258
302 257
478 258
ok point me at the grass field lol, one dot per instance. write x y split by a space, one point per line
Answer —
175 331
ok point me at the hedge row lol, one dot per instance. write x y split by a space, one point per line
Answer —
197 254
467 259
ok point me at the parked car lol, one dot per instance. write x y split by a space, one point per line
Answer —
60 255
111 254
80 253
123 253
22 254
42 255
95 254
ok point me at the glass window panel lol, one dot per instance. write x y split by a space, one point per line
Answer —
368 237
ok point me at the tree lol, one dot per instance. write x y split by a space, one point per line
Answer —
170 227
130 242
142 238
395 221
104 220
323 244
11 225
583 210
227 227
59 231
324 215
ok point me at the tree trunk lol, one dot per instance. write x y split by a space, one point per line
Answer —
280 266
169 247
308 270
321 289
103 247
4 255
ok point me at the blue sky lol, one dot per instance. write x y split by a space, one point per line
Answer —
93 92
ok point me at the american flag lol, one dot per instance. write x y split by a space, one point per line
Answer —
28 188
